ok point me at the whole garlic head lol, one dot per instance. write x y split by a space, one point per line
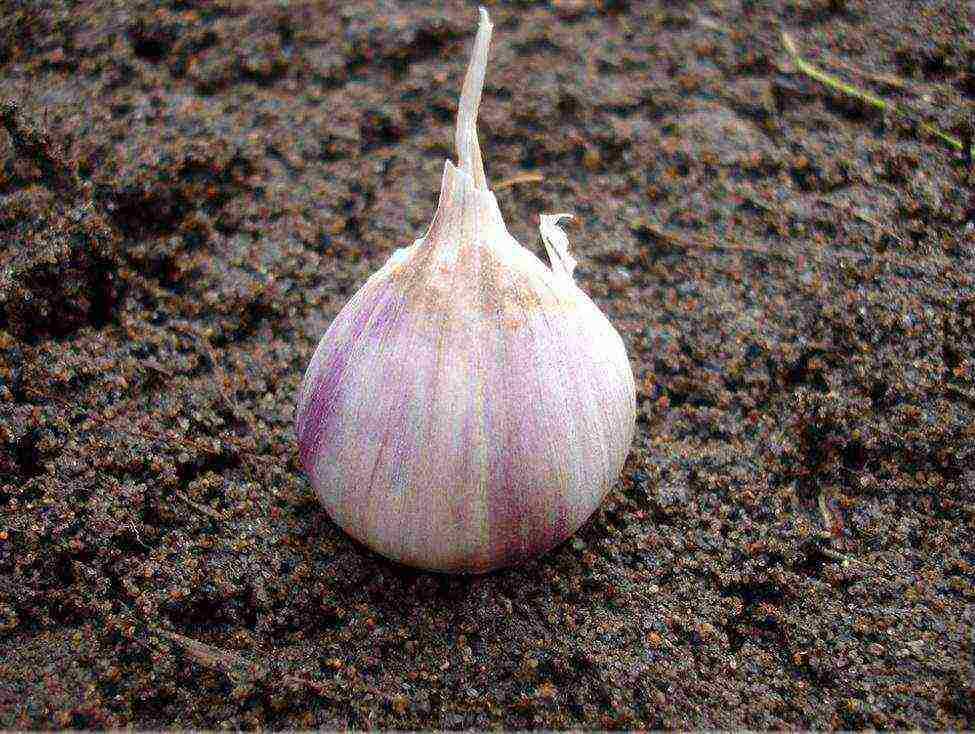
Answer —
469 407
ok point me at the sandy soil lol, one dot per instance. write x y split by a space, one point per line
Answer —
189 193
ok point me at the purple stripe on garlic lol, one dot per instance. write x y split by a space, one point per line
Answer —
469 407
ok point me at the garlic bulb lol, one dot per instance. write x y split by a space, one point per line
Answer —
469 407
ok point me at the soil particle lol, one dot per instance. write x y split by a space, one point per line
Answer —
189 192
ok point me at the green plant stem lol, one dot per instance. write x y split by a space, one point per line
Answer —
867 97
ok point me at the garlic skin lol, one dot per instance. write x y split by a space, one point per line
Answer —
469 407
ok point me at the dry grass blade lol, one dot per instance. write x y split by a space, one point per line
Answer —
232 663
202 509
213 657
692 243
519 179
201 339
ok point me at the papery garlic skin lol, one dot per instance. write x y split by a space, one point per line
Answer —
469 407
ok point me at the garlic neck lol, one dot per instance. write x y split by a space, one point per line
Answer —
467 215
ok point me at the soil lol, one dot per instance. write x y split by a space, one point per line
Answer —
190 191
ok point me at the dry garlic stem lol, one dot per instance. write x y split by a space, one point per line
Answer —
469 407
468 149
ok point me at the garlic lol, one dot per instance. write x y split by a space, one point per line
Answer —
469 407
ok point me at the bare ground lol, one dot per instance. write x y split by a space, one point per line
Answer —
189 193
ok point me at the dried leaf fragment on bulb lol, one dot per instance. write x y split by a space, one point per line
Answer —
470 406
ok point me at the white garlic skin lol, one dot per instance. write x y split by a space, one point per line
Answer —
470 407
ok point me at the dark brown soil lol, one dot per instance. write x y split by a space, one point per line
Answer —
190 192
